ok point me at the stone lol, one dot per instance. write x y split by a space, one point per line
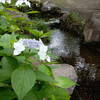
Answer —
83 7
52 8
92 28
35 0
68 71
65 70
53 22
71 24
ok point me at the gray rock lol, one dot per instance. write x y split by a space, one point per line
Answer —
51 8
66 71
84 7
92 28
47 6
36 0
52 22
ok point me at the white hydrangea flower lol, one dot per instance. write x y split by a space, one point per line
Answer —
19 47
42 52
20 2
3 1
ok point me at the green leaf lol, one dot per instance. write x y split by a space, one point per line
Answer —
43 77
3 84
46 91
23 79
32 12
7 51
43 68
20 59
6 94
51 63
60 94
52 56
3 23
5 40
1 7
11 9
14 28
52 67
64 82
28 22
31 95
47 34
8 65
34 32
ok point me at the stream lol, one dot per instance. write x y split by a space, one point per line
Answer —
85 62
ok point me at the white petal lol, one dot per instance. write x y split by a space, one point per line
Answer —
16 52
48 58
22 48
42 55
19 47
43 48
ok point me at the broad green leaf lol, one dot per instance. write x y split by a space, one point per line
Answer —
43 68
43 77
7 94
31 95
20 59
5 40
32 12
23 79
60 94
8 65
46 91
7 51
64 82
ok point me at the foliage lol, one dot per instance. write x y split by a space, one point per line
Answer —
40 25
74 24
20 79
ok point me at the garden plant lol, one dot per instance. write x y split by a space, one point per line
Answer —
20 78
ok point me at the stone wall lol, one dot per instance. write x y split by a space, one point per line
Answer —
84 7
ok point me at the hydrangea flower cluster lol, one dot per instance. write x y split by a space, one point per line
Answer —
31 44
20 2
3 1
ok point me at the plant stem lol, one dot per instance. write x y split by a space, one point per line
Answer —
27 57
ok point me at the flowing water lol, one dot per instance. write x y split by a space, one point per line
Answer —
70 51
